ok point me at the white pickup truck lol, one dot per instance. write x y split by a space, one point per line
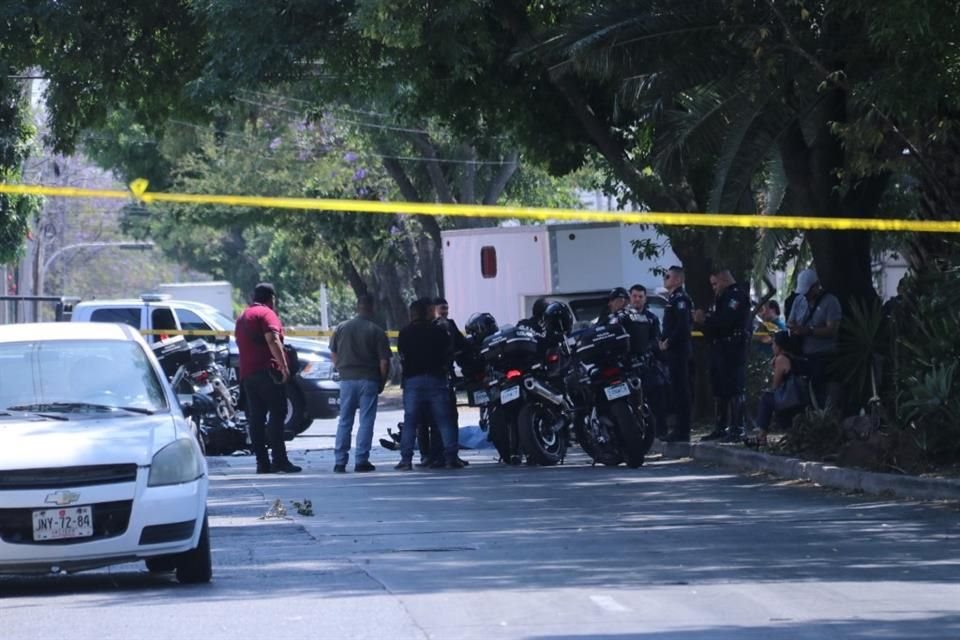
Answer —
313 393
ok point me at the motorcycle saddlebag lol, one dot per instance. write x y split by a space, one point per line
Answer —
598 345
511 348
171 353
202 354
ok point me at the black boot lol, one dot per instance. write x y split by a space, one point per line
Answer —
721 407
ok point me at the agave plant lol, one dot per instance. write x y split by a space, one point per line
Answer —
861 349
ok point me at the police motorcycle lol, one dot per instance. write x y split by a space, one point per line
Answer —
528 412
197 374
614 422
473 367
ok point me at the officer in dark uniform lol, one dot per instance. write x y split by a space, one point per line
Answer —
634 323
727 328
676 346
654 374
458 344
535 321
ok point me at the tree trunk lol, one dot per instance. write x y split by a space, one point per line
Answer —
842 258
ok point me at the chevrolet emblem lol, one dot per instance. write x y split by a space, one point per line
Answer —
62 498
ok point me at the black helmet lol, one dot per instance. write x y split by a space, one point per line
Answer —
618 292
481 325
557 318
539 306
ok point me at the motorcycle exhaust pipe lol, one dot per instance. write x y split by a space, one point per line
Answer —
541 391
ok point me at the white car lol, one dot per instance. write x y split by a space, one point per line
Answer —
98 465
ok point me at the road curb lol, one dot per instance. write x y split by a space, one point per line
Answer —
820 473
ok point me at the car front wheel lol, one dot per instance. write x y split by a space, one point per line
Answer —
196 566
295 422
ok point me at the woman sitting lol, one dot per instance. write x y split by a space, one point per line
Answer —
778 398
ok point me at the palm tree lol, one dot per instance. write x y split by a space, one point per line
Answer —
723 100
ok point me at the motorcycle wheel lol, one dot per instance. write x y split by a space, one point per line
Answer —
630 427
606 453
543 444
649 425
501 422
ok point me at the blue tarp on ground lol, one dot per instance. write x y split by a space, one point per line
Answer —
473 437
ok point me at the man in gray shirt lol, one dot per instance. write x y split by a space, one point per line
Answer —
361 353
815 319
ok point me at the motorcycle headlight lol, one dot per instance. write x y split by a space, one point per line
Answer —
176 463
317 370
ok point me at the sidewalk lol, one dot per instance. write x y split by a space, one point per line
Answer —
823 474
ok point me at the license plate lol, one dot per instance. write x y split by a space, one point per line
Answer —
480 398
335 400
617 391
509 395
59 524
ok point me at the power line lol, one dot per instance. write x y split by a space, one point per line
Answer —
249 137
371 125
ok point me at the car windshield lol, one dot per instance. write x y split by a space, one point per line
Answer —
223 322
70 376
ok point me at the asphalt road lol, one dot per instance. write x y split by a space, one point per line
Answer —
671 551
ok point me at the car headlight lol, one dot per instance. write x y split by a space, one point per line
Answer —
317 370
176 463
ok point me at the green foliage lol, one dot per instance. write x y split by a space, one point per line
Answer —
16 135
815 433
925 343
931 411
99 55
860 348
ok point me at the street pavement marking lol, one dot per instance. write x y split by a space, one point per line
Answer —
608 603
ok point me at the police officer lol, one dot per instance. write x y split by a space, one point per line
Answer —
727 328
621 312
458 345
654 375
617 307
638 302
535 321
676 346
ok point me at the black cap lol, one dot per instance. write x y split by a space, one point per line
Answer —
619 292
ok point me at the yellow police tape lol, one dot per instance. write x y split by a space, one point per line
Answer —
300 333
310 333
138 190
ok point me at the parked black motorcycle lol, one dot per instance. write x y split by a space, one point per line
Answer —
526 411
614 423
196 373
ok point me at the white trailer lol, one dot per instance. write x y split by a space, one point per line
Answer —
217 294
502 270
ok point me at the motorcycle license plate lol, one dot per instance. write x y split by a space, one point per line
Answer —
480 398
617 391
509 395
60 524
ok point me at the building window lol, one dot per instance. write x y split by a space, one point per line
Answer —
488 262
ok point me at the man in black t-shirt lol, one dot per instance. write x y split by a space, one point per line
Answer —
424 351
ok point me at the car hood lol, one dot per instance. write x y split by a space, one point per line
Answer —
28 442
